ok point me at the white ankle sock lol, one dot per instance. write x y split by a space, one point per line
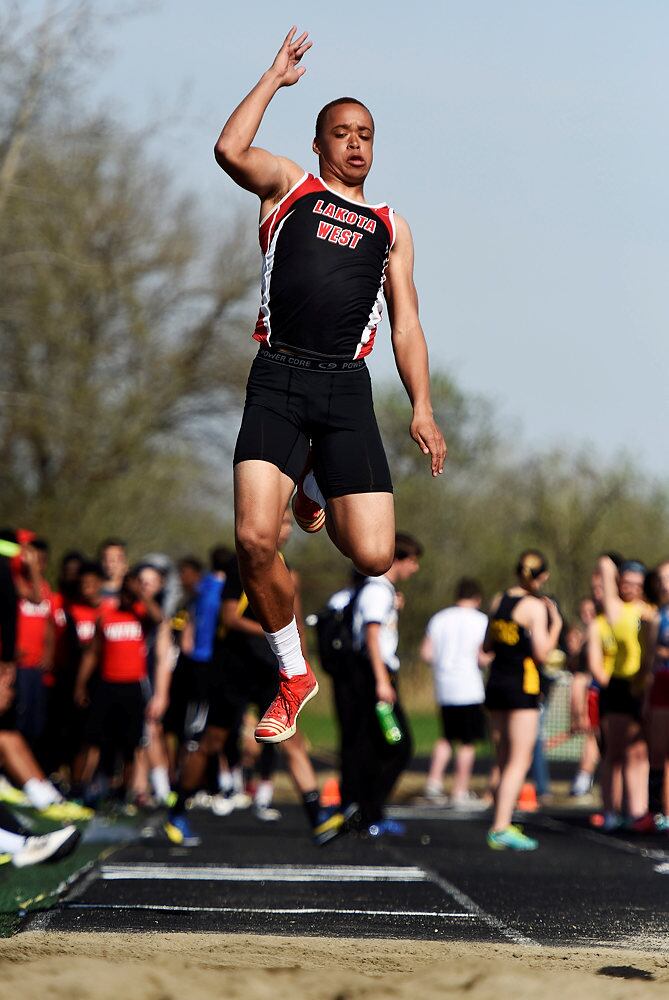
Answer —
287 648
160 780
10 843
41 793
237 780
310 487
263 795
225 782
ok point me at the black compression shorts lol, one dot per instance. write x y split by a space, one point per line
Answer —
288 409
463 722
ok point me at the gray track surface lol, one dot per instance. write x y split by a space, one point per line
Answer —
439 882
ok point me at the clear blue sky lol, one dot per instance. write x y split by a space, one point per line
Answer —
527 145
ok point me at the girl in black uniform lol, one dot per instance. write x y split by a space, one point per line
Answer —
524 628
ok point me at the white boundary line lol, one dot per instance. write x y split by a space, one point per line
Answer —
270 911
648 853
261 873
468 904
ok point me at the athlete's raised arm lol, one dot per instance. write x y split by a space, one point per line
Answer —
255 169
409 346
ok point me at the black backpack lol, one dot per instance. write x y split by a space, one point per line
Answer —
334 632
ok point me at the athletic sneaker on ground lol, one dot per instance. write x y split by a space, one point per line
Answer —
178 831
330 824
221 805
279 722
512 838
469 802
62 812
387 828
581 785
266 814
50 847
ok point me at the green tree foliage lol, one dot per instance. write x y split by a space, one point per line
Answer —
491 503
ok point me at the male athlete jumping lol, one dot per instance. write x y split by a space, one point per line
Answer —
328 257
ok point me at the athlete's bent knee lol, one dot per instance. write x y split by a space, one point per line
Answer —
256 547
373 563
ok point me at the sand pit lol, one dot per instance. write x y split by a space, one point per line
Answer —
36 965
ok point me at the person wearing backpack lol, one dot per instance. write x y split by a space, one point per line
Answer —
334 630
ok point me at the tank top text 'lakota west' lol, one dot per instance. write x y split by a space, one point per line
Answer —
324 265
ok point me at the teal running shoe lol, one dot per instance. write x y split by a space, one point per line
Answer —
511 838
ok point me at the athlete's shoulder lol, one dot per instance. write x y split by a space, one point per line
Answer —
403 237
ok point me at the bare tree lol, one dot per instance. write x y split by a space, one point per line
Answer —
122 329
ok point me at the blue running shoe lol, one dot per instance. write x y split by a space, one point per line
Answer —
387 828
178 831
511 838
329 825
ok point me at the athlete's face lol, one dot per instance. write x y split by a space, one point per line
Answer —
345 145
631 586
586 610
90 586
114 562
150 581
407 567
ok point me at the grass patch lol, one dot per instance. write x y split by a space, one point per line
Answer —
28 890
320 728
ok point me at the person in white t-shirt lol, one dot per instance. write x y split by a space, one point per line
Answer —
452 646
375 637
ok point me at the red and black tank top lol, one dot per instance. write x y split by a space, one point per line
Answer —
123 645
324 265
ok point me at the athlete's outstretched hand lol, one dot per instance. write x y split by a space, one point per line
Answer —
286 65
430 440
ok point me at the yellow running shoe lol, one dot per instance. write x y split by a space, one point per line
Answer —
67 812
11 795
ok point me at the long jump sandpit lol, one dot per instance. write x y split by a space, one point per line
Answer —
139 966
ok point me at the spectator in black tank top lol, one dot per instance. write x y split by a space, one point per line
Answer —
524 628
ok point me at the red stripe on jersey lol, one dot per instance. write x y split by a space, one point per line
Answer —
269 224
385 213
367 348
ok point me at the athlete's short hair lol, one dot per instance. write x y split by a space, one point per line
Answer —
91 568
219 558
322 114
112 543
467 588
406 546
191 562
531 564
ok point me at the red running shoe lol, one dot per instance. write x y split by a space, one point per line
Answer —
308 514
644 824
280 720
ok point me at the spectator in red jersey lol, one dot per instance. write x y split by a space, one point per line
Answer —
117 706
34 642
69 720
113 555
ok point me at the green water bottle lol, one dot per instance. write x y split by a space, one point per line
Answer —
388 722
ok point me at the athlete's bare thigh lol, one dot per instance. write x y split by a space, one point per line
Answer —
362 526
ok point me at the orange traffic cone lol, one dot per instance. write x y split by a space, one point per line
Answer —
527 800
331 796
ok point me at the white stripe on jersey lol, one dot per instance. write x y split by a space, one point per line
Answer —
374 316
266 277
